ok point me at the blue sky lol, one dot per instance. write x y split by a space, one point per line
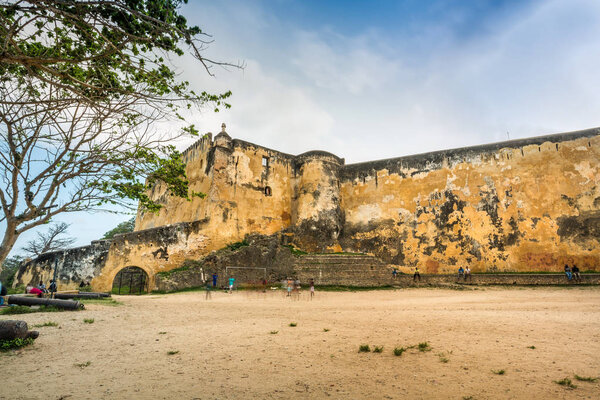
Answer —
370 80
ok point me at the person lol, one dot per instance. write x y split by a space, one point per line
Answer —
231 282
3 292
264 285
52 286
575 271
394 273
289 287
568 272
208 289
42 287
416 275
467 273
461 272
312 288
36 291
214 276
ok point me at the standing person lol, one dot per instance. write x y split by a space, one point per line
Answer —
312 288
461 272
208 289
467 273
394 273
289 287
417 275
568 272
42 287
575 271
214 280
52 287
231 282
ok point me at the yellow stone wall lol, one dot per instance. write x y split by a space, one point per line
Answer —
527 208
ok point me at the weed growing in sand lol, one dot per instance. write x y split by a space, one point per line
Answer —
499 371
378 349
106 301
364 348
6 345
28 310
162 333
172 352
443 358
424 346
566 382
292 324
468 398
49 323
531 347
83 365
325 330
88 320
398 351
585 378
274 332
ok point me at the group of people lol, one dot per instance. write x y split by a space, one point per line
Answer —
464 273
572 273
41 289
293 288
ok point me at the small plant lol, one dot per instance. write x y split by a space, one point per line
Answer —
364 348
6 345
378 349
499 371
274 332
566 382
585 378
172 352
398 351
325 330
83 365
443 358
17 310
292 324
424 346
467 397
531 347
88 320
49 323
162 333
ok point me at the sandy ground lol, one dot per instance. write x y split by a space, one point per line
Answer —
225 348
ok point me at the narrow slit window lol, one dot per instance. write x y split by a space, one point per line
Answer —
265 162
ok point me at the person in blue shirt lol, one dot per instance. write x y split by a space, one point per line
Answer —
231 282
214 277
461 272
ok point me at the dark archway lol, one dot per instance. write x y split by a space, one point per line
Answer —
130 280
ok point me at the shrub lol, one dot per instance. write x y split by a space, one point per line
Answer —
88 320
566 382
585 378
398 351
364 348
378 349
424 346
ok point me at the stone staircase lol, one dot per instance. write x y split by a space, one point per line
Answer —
342 269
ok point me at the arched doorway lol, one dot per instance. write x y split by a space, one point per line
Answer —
130 280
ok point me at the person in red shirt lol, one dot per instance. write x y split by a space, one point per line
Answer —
36 291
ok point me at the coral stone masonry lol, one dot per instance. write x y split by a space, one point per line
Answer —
515 206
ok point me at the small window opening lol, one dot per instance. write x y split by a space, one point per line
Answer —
265 161
268 191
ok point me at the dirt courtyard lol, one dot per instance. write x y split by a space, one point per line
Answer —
242 346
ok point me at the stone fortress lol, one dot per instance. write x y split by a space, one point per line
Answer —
516 206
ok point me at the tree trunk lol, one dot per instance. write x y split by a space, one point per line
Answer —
8 241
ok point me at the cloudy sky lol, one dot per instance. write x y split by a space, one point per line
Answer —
371 80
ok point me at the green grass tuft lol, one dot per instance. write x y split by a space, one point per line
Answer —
88 320
325 329
162 333
293 324
12 344
172 352
105 301
364 348
566 382
399 350
378 349
585 378
49 323
443 358
531 347
28 310
424 346
83 365
274 332
499 371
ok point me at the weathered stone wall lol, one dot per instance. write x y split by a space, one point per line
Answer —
74 266
525 205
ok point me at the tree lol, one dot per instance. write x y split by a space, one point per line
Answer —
123 227
10 266
49 241
81 84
